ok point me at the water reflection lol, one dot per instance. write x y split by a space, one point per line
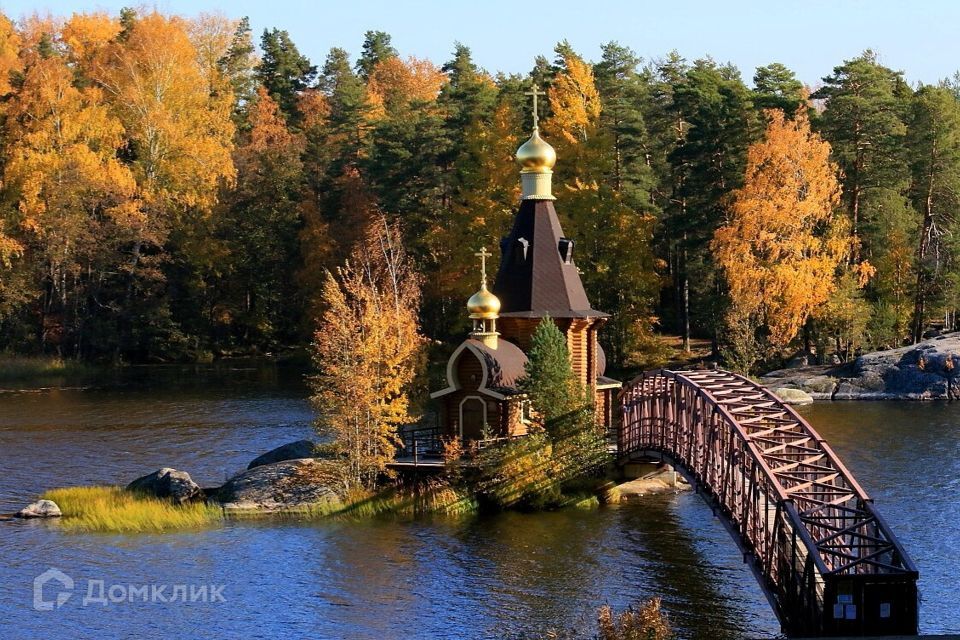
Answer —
509 576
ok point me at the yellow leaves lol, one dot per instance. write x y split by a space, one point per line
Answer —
62 156
782 247
395 84
181 133
367 346
9 53
574 101
85 34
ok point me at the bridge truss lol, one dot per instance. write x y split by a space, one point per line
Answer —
828 562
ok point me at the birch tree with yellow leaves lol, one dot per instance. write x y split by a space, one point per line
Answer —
783 244
366 349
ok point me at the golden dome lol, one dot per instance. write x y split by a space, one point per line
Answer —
536 154
483 305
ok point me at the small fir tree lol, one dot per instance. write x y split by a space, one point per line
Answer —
548 378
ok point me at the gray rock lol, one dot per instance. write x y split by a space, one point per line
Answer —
793 396
929 370
40 509
289 484
290 451
168 483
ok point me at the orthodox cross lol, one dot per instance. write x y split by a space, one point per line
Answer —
535 92
483 254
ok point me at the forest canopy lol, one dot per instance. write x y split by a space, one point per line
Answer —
175 188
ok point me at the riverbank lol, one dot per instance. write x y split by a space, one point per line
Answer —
21 369
929 370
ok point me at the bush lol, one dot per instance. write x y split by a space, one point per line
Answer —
646 622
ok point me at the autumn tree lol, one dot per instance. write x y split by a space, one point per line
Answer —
179 139
782 243
366 350
75 200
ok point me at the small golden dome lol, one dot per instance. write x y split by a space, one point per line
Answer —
483 305
536 154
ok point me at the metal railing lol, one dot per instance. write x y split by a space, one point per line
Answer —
829 563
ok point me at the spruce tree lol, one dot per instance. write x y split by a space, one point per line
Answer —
548 380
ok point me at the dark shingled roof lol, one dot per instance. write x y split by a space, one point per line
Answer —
505 364
534 280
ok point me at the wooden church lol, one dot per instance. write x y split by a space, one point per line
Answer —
537 278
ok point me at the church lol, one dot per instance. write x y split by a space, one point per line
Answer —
537 278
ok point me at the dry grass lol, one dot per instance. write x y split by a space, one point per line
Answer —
15 368
644 622
116 510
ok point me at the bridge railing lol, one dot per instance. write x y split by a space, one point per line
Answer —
794 507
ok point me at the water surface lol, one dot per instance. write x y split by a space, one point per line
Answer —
512 575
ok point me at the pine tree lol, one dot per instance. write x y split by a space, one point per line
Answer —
376 49
284 71
933 144
238 66
714 123
864 123
776 87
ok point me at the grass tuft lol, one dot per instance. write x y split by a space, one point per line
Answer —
116 510
17 368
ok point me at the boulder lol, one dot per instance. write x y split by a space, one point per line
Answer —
40 509
168 483
290 451
288 484
793 396
929 370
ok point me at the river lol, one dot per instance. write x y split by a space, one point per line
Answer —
508 576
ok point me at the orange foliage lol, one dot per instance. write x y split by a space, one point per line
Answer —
9 50
268 127
395 84
574 101
182 135
85 34
314 109
366 348
783 244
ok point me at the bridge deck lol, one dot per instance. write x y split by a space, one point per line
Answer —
829 560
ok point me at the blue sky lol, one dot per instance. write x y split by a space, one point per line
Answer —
810 36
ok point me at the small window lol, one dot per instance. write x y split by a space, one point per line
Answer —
525 411
566 250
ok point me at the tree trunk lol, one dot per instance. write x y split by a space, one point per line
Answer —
920 296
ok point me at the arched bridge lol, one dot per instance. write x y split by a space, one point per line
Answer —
827 561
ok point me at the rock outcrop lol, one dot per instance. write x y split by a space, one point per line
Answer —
40 509
929 370
793 396
285 485
168 483
290 451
